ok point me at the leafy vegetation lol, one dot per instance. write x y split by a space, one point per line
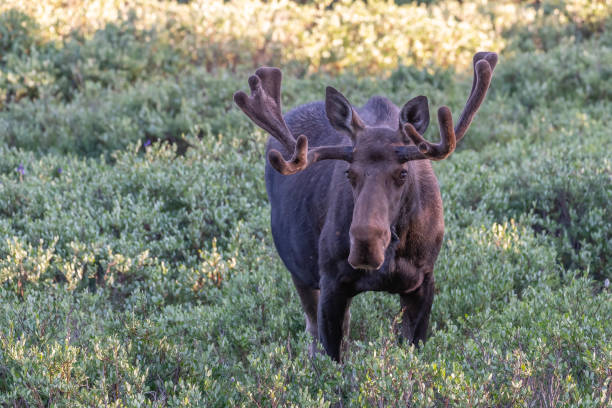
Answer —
136 263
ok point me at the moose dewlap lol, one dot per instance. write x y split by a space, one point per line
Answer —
369 216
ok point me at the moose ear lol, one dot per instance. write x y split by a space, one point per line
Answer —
341 114
416 112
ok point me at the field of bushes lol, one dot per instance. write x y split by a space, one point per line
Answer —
136 262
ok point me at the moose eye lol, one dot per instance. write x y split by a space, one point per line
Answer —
350 176
401 177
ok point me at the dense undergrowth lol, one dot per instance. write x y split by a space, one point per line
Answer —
136 263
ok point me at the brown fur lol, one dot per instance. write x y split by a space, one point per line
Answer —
372 219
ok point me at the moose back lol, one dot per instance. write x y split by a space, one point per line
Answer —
355 204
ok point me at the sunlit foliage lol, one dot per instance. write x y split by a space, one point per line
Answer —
136 263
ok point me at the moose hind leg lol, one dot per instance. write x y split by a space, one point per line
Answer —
309 298
416 308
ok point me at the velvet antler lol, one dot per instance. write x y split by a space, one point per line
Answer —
484 64
264 108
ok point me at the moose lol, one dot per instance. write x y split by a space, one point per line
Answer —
369 216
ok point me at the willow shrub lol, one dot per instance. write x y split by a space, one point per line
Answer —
136 265
366 37
149 278
61 49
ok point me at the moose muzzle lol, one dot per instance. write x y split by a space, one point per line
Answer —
368 245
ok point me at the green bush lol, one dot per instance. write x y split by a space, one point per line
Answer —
113 58
560 175
136 263
17 33
357 36
546 23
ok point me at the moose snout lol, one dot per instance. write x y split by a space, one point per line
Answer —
368 245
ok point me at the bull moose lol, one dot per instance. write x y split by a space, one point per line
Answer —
369 216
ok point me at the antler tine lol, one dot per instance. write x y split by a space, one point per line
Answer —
264 108
490 57
304 157
423 149
484 63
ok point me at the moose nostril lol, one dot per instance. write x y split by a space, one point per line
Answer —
368 255
367 265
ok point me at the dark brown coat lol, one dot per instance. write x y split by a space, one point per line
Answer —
369 217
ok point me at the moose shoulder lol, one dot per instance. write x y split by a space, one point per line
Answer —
369 216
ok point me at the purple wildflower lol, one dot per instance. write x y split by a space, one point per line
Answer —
59 170
147 143
21 169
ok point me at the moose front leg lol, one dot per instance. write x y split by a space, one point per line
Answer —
346 328
310 299
333 315
416 308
